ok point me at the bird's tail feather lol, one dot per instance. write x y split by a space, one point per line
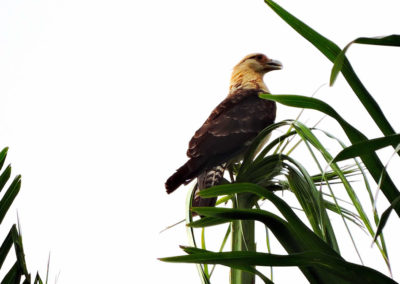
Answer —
208 179
183 175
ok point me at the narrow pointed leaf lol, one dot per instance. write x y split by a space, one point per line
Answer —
331 51
38 280
4 177
206 222
367 147
248 268
392 40
294 235
3 155
6 246
190 232
385 217
13 276
251 152
342 271
9 197
19 251
372 162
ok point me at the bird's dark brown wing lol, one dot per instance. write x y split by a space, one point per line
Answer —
232 124
225 134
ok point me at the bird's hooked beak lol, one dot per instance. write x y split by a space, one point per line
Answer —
272 64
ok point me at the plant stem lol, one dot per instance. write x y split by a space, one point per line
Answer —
243 238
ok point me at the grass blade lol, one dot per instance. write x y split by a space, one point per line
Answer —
344 272
392 40
6 246
3 155
371 161
191 236
385 217
331 51
367 147
4 177
13 276
9 197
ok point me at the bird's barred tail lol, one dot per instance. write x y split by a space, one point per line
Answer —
208 179
184 174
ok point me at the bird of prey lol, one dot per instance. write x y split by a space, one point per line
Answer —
230 128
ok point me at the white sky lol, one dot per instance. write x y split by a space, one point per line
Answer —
100 98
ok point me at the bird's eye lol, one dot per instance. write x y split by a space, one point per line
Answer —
257 57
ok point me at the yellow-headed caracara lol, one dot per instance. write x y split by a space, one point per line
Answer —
230 128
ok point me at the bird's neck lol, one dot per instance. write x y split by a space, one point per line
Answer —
246 79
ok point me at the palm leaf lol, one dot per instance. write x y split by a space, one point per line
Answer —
367 147
345 272
371 161
14 237
392 40
331 51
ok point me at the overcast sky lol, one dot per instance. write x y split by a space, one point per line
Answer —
100 98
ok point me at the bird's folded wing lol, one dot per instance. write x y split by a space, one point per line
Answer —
232 124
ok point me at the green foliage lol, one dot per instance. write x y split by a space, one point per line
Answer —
19 270
392 40
308 238
332 51
259 176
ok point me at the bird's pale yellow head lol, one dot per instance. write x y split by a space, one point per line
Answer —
249 72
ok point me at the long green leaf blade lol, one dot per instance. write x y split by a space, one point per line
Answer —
385 217
248 268
392 40
4 177
9 197
331 51
372 162
310 240
13 276
3 155
191 235
345 272
367 147
6 246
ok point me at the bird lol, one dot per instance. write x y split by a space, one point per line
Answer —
229 129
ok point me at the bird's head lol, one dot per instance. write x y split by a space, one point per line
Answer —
249 72
258 63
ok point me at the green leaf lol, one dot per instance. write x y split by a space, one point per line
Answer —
9 197
243 236
38 280
385 217
294 235
19 251
248 268
344 272
191 236
262 171
13 276
4 177
367 147
349 215
382 246
6 246
206 222
371 161
331 51
256 143
3 155
308 135
392 40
